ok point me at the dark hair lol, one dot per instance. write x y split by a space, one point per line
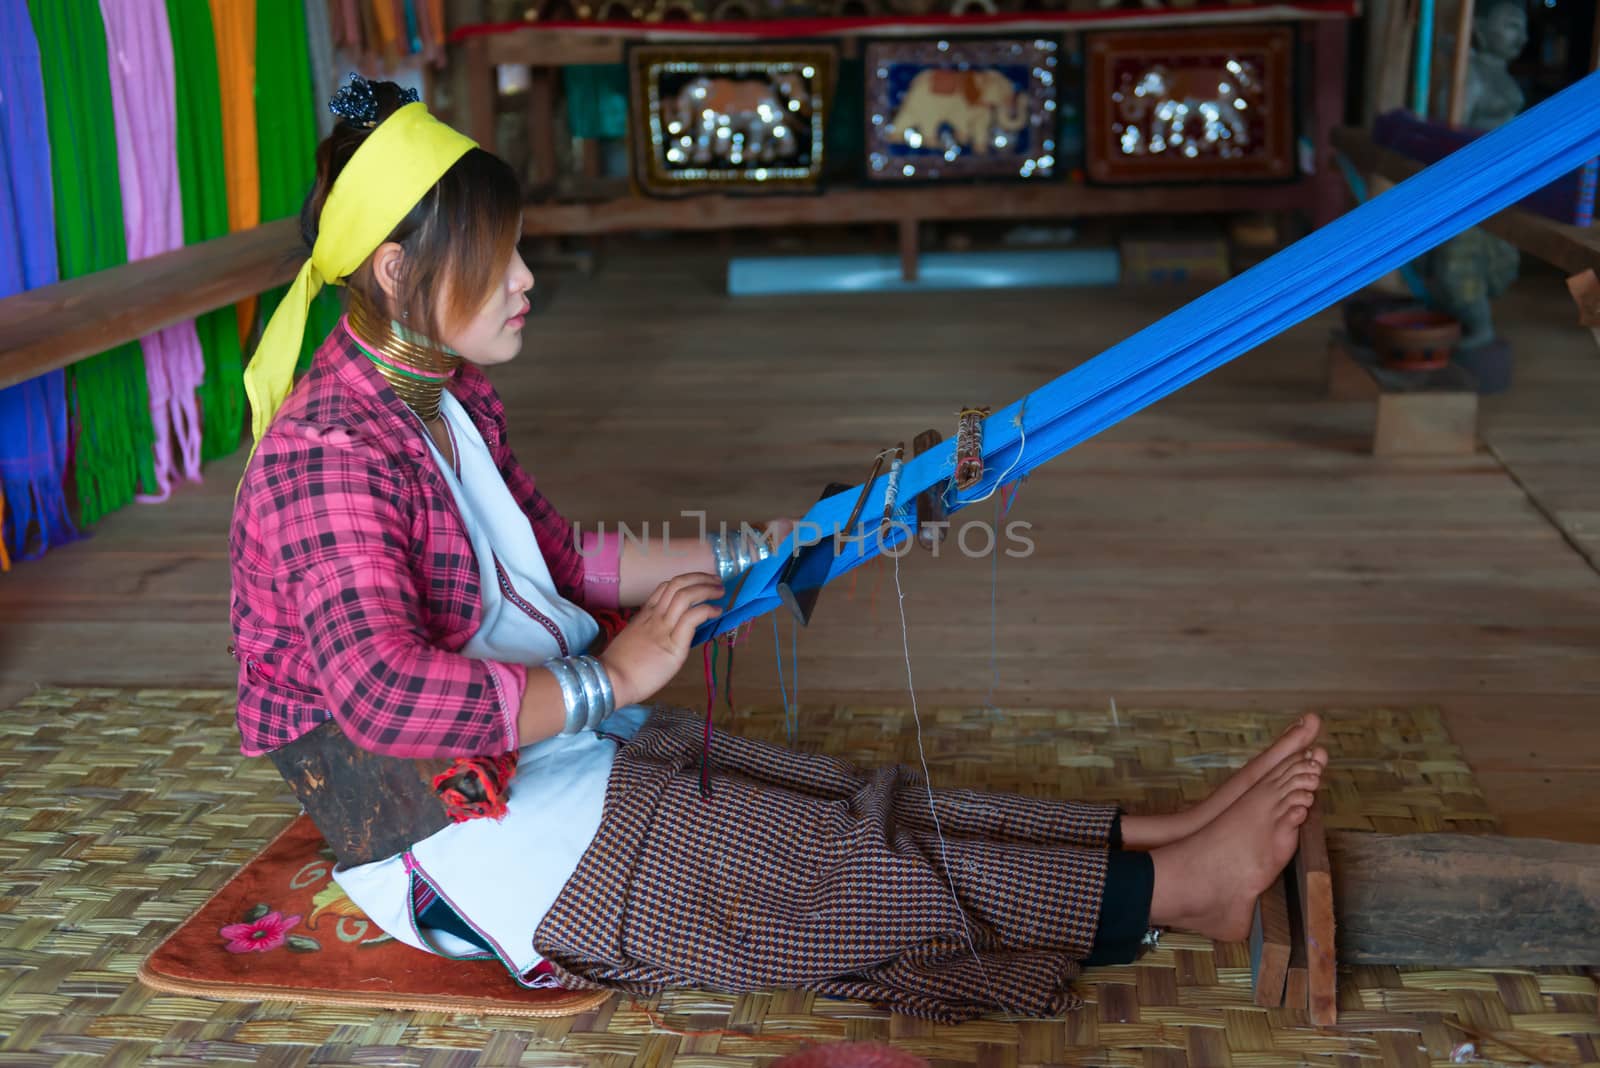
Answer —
456 240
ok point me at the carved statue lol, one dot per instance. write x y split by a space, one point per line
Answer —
1195 111
739 121
970 110
1465 273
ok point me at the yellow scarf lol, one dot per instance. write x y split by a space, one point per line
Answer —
393 169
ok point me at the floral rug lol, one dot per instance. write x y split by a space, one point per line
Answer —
283 930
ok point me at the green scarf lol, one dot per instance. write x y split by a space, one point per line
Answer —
115 437
203 179
286 134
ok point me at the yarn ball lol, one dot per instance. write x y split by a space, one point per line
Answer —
850 1055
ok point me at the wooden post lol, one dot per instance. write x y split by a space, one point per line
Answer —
481 93
1458 70
908 249
1328 61
542 126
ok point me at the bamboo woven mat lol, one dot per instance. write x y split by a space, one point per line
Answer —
122 811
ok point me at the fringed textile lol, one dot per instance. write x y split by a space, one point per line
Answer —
202 178
113 440
143 101
33 414
233 23
286 136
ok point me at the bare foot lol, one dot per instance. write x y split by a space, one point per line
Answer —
1151 832
1208 882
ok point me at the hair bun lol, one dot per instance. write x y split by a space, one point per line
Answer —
357 103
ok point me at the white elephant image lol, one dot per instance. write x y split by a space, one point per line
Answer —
972 110
739 121
1196 111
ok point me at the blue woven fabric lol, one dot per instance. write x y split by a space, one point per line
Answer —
1478 181
33 414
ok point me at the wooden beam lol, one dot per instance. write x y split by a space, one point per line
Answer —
1329 43
1570 248
1314 881
566 44
1269 945
887 205
1471 901
45 329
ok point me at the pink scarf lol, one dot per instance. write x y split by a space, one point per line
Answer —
139 46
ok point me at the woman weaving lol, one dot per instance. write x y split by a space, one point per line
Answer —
420 655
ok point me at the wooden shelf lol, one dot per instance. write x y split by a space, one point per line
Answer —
844 206
1571 248
48 328
560 44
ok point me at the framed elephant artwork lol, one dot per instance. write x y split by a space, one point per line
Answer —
955 109
729 118
1194 105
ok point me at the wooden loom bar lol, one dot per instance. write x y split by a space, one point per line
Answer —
1269 945
1314 880
1571 248
44 329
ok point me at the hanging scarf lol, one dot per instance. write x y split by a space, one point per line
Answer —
112 447
142 98
286 133
202 180
403 158
234 25
33 414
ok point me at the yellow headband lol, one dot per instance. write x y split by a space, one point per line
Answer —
403 157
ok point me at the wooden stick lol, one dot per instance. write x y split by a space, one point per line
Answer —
1269 945
1314 881
1463 59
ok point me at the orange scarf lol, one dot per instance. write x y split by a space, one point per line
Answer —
5 560
234 23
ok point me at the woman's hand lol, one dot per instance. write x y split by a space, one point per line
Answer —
648 652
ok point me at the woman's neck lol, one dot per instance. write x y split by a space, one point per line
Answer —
416 368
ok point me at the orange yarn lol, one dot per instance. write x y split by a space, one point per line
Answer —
5 560
233 23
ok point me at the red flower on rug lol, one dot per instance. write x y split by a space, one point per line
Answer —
259 935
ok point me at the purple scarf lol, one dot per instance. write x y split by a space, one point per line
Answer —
33 415
139 47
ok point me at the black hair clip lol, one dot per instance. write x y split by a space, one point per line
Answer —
357 104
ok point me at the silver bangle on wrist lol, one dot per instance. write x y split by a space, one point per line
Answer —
585 690
735 554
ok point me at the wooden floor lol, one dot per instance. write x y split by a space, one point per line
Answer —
1232 546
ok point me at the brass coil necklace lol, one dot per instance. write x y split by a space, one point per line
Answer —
414 368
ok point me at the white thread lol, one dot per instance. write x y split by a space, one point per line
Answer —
927 783
1115 722
994 611
891 493
777 648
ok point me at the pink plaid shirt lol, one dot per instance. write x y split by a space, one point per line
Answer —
354 582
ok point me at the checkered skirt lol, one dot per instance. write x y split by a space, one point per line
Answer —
805 871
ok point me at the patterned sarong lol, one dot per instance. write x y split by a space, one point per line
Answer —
805 871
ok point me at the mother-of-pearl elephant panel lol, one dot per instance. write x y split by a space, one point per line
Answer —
961 109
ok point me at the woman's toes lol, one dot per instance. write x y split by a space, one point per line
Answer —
1304 781
1300 800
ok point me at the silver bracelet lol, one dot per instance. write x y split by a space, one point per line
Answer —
585 690
735 555
572 694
